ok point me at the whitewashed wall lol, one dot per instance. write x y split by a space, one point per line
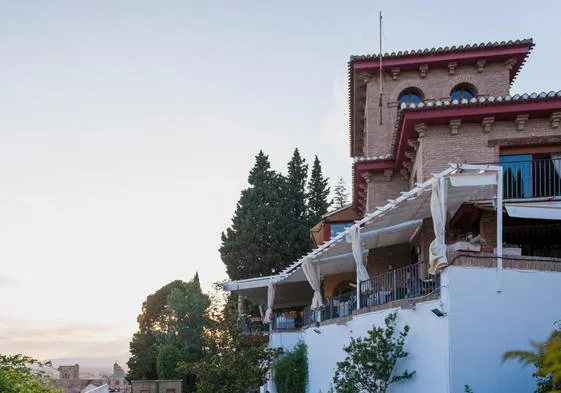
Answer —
285 340
463 347
426 344
484 324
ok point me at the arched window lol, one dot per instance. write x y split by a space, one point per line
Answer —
411 96
463 91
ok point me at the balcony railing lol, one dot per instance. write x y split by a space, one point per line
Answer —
252 325
287 320
531 178
408 282
333 307
339 306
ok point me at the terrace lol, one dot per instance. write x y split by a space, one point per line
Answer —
381 251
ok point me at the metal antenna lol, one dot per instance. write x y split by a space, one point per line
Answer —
381 77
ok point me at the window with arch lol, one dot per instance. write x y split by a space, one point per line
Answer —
463 91
411 96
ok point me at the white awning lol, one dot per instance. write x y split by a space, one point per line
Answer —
408 208
547 210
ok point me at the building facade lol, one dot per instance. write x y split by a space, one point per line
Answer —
455 224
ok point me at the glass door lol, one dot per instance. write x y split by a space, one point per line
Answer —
517 175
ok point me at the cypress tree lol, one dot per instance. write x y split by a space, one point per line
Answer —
250 246
318 193
294 229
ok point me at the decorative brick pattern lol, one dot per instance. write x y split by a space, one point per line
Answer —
487 123
455 126
555 119
437 84
520 122
438 147
452 67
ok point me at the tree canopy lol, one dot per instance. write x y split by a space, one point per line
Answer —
171 328
233 362
271 223
318 194
340 194
23 374
546 357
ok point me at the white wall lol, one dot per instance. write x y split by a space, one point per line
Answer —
285 340
484 324
426 344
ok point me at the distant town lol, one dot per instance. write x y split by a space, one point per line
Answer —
70 380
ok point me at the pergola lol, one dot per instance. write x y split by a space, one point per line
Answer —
396 222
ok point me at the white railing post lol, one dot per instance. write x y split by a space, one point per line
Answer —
358 289
499 229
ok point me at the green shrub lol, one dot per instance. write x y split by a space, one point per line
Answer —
291 370
370 363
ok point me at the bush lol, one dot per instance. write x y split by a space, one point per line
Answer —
371 361
291 370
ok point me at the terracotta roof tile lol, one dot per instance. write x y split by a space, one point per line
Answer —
446 49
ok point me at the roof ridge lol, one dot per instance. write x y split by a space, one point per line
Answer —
445 49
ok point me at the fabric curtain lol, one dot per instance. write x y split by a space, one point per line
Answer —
312 274
437 251
261 312
270 301
362 273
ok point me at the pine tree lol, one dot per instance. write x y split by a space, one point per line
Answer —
341 196
318 193
253 246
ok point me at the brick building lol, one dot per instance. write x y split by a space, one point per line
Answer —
455 222
70 382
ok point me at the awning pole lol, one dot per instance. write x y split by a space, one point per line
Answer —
500 229
443 200
358 289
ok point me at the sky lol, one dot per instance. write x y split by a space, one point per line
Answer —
128 128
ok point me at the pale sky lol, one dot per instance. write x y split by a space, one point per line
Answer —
127 130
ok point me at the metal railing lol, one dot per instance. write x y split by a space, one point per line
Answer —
309 316
407 282
333 307
531 178
287 320
252 325
339 306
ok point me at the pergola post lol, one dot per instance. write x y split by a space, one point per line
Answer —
499 229
358 289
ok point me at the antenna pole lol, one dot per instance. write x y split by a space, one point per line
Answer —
381 76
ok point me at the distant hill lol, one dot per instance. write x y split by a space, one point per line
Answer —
93 366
